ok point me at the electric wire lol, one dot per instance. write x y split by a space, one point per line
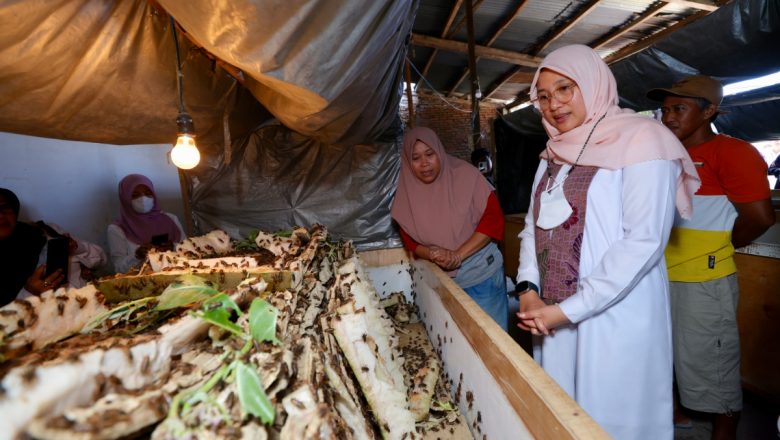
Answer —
435 92
179 74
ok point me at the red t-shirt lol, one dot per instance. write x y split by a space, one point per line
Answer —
731 167
491 224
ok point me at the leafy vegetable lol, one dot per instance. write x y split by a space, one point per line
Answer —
217 311
262 321
248 244
251 394
224 302
123 312
144 312
438 405
180 295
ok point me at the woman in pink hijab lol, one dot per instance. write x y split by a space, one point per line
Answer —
595 292
449 215
141 226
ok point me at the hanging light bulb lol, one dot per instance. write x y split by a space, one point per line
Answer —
185 154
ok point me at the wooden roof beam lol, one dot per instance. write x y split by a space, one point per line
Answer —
642 18
586 9
694 4
450 20
449 31
507 21
635 47
501 28
652 39
462 20
570 23
490 53
521 98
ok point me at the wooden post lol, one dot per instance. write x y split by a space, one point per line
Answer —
409 99
475 130
185 197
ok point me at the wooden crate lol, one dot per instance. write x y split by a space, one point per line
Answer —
758 318
512 396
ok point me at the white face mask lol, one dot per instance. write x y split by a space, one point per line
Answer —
554 209
143 204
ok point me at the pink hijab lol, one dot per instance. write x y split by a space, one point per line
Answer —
445 212
623 138
140 228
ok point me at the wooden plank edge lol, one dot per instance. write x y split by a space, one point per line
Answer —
546 410
544 407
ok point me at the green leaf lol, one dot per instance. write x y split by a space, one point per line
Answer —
438 405
120 312
283 233
262 321
221 318
222 301
216 310
251 394
248 244
180 295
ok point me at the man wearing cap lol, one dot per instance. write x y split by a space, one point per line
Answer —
731 209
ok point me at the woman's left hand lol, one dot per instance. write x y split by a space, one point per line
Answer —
39 282
445 258
544 320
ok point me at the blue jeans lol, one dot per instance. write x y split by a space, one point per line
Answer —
491 296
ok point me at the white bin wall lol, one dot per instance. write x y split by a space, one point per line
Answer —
459 360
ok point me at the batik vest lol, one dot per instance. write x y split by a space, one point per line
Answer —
558 249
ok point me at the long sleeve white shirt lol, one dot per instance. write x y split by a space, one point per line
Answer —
122 250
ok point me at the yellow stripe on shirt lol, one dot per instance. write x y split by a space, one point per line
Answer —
694 255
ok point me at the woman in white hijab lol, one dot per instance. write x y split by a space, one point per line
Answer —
602 207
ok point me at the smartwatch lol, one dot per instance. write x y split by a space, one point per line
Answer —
525 286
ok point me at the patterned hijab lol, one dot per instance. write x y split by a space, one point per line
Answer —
445 212
622 138
140 228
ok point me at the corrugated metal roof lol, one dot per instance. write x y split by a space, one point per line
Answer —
529 31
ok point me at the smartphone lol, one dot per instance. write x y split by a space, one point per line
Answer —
57 256
160 239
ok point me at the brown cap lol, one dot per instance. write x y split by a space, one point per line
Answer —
698 86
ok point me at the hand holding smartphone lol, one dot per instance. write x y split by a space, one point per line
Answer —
159 240
57 256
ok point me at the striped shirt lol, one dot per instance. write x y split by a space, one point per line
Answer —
731 171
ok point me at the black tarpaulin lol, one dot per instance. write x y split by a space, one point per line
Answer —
737 42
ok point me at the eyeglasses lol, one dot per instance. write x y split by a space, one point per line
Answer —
562 94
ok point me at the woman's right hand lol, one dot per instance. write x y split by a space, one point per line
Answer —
39 282
445 258
529 300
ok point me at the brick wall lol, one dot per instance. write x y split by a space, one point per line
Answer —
452 126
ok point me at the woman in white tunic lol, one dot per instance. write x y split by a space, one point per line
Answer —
600 216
